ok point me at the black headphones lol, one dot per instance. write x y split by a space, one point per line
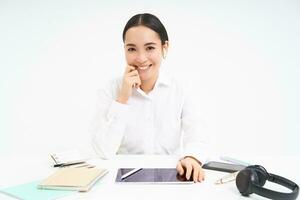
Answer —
253 178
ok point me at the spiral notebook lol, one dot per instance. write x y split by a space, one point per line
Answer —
68 157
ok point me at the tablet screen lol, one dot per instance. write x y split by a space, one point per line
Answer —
151 175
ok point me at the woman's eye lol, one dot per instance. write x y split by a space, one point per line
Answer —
130 49
150 48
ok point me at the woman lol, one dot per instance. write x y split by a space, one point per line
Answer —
146 112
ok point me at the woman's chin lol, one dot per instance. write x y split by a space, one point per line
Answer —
144 76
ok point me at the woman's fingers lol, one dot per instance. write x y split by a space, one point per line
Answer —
132 77
196 172
179 168
201 176
132 73
136 82
192 168
135 78
189 169
129 68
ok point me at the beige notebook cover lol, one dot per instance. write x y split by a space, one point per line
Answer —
72 178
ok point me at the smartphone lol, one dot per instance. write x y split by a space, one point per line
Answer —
223 167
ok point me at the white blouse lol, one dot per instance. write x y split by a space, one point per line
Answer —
160 122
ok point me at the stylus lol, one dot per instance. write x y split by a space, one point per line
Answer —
234 161
130 173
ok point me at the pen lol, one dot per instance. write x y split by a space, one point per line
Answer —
66 164
234 161
228 178
130 173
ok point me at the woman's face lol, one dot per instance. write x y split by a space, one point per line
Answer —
143 50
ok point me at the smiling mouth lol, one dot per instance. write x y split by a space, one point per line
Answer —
144 67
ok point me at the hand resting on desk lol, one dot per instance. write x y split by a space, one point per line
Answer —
192 169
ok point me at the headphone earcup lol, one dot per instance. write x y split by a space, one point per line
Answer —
263 175
245 180
261 172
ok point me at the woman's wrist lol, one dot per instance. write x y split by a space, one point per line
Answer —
200 163
122 100
122 97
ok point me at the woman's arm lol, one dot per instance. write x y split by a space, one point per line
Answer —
195 142
109 123
112 112
195 138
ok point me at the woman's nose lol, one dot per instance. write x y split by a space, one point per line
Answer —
141 58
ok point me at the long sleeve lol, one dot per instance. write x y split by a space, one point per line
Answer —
195 139
109 123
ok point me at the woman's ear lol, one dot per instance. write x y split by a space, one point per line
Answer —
165 49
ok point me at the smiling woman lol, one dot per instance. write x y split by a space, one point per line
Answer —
146 42
145 111
143 50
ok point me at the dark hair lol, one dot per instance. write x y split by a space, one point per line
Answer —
149 21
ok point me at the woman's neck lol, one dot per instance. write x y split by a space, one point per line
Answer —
148 85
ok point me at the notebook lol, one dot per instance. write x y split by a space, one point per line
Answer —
69 157
73 178
29 191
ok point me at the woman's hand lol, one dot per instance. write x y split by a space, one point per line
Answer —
130 79
191 166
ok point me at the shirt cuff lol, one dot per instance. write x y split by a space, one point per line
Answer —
201 156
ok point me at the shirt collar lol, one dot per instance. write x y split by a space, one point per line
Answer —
163 79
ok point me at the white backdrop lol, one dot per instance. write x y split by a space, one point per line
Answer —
242 58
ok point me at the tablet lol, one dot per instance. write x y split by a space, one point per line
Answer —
151 175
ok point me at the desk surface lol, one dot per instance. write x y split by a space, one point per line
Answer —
20 169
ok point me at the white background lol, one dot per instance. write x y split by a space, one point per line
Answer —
241 57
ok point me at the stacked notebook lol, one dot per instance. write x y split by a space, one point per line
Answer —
69 157
73 178
29 191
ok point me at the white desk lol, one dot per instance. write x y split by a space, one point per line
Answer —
18 169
